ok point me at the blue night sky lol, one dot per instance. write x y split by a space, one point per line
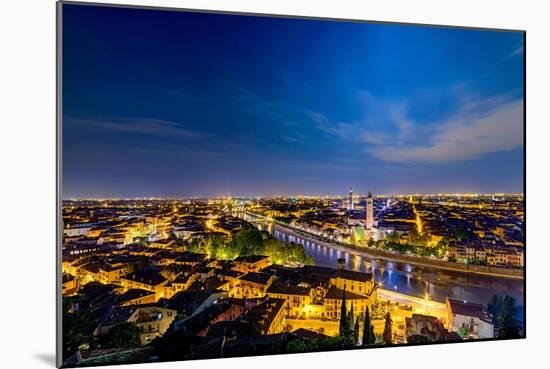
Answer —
160 103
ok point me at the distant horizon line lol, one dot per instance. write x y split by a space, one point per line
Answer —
455 194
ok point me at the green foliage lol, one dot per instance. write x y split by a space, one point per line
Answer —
462 234
508 324
141 241
329 343
418 338
343 326
346 327
250 241
368 330
216 245
464 331
359 233
393 237
356 332
494 307
123 335
322 344
78 325
414 238
418 248
174 345
505 316
351 326
297 345
442 247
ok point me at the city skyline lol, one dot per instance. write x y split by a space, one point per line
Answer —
279 107
358 195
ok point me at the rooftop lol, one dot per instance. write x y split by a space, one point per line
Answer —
259 278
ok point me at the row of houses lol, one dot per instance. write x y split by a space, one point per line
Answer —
489 254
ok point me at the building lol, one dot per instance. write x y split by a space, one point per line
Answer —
268 317
147 279
111 274
425 328
350 199
152 321
457 252
369 207
468 319
355 282
137 297
250 263
77 230
298 298
252 285
70 285
333 303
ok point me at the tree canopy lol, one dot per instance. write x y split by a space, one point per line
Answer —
508 324
250 241
123 335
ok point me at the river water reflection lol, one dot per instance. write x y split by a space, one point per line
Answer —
409 279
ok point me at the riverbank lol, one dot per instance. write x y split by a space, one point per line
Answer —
410 259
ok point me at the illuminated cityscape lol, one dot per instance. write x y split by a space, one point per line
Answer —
245 185
237 276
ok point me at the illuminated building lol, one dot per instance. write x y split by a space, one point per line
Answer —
252 285
470 318
69 284
152 322
137 297
164 243
356 282
268 317
369 207
77 230
149 280
109 274
297 298
250 263
350 199
333 303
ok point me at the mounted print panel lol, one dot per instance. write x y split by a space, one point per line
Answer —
244 184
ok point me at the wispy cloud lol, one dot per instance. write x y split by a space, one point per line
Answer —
145 126
294 139
516 52
478 127
262 107
465 137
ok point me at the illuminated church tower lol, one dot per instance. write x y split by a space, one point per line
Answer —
369 221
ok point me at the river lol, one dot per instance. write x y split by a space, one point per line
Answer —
407 278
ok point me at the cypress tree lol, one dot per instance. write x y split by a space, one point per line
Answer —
351 324
343 315
368 330
351 317
387 330
356 332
